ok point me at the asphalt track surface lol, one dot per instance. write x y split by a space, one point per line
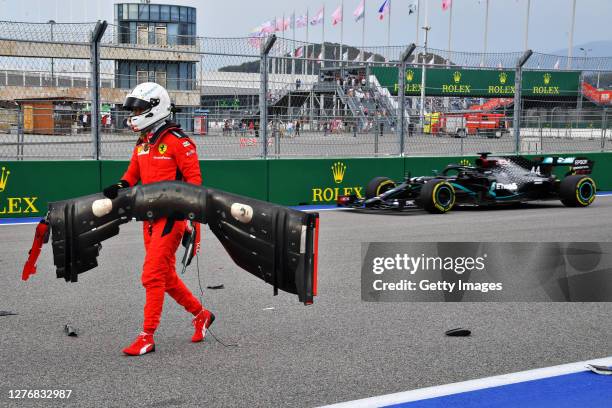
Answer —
338 349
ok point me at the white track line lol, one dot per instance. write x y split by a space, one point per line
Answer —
471 385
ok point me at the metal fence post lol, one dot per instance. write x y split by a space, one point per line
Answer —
96 37
375 129
20 136
518 82
401 102
263 93
604 128
275 136
541 135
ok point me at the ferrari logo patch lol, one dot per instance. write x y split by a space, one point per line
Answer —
162 148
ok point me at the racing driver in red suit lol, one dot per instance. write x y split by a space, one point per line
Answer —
162 153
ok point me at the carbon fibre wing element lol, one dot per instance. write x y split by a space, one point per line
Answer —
276 244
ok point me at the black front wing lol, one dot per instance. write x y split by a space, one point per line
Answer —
274 243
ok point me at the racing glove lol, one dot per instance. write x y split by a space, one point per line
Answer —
112 190
190 228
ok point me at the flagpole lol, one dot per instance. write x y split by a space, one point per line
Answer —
424 66
363 32
293 46
305 70
389 34
341 32
417 21
571 36
527 25
450 31
322 64
274 62
486 32
284 60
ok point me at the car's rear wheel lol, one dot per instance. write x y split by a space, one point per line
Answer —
437 196
577 191
378 185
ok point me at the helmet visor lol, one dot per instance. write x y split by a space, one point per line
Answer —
132 104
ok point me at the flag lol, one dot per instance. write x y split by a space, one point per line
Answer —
318 18
337 16
557 64
345 56
412 8
320 58
283 25
298 53
301 21
433 58
371 58
383 9
359 12
255 37
446 4
268 27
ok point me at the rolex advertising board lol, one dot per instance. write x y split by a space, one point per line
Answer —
27 187
321 181
480 83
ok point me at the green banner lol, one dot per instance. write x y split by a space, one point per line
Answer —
26 188
320 181
480 83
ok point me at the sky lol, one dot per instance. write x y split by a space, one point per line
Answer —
549 24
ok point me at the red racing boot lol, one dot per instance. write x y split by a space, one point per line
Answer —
201 322
142 345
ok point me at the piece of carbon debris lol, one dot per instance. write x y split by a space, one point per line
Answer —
221 286
70 331
602 370
458 332
7 313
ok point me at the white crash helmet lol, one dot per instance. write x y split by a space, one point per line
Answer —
153 99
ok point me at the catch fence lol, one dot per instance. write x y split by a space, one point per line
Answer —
315 100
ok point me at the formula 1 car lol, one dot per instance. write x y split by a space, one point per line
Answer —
491 181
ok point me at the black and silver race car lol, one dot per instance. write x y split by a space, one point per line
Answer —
491 181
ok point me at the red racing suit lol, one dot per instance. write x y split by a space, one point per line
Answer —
163 155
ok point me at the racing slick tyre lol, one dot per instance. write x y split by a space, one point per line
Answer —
577 191
377 186
437 196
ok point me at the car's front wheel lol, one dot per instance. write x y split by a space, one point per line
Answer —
437 196
378 185
577 191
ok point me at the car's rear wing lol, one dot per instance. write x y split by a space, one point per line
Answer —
577 165
276 244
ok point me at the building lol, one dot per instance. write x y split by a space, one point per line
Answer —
158 26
